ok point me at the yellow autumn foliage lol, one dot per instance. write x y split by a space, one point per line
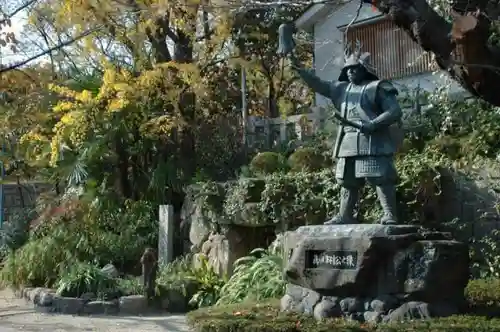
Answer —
82 115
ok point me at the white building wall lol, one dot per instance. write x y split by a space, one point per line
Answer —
328 51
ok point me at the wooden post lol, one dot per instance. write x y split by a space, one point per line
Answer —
149 271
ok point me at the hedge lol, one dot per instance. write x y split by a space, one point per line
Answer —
483 296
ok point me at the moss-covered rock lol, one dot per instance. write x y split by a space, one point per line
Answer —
250 215
431 192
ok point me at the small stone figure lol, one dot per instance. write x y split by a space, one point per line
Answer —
149 267
369 131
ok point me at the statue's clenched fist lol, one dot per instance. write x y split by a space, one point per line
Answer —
286 44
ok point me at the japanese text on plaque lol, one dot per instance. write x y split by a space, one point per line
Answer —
335 259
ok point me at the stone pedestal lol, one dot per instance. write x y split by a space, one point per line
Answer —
374 272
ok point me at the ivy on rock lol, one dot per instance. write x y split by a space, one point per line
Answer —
288 200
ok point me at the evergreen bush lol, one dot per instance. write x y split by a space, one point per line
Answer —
307 159
267 163
85 234
483 296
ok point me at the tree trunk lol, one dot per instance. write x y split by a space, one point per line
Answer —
123 168
272 100
20 191
183 53
137 184
480 71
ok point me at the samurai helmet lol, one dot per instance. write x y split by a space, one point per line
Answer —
356 58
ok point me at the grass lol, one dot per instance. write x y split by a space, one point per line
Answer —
266 317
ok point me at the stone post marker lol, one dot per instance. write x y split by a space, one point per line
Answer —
166 235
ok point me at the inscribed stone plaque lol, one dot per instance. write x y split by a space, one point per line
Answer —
339 259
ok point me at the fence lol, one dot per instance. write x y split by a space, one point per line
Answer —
24 196
264 132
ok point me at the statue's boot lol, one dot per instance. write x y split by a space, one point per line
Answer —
348 200
387 198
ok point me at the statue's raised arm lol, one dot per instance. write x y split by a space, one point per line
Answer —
329 89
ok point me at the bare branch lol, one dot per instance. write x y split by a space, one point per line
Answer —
16 11
48 51
206 35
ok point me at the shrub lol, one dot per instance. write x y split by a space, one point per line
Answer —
130 286
15 232
447 145
208 284
307 159
200 285
483 296
266 317
121 231
39 261
83 278
255 277
175 276
267 163
92 234
485 256
473 122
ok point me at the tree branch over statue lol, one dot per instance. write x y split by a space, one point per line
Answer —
479 73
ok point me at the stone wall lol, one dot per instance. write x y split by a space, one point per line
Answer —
24 196
473 203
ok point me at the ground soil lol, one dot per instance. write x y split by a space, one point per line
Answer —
18 315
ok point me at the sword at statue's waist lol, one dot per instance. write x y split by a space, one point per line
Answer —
345 121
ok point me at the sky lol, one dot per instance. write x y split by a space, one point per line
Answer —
6 55
18 22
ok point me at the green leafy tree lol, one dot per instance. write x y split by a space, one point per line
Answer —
274 89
